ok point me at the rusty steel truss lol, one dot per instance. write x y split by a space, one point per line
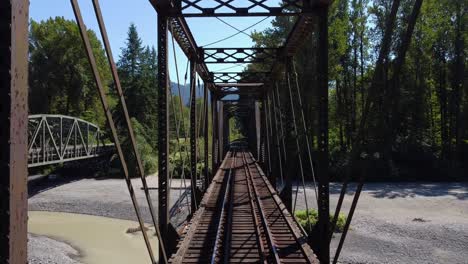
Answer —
255 105
255 90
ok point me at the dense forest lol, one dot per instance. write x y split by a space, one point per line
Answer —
397 90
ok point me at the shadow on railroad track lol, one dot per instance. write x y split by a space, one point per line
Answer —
408 189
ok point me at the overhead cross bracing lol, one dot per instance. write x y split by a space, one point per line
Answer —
257 107
255 90
178 26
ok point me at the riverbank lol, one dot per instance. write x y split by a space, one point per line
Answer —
394 222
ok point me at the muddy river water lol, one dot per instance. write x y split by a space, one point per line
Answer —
98 239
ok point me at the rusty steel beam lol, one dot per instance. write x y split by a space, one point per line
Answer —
238 55
250 84
199 8
226 130
323 245
193 136
182 34
221 122
14 17
239 77
214 129
206 137
163 130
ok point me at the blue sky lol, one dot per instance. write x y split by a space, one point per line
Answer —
118 14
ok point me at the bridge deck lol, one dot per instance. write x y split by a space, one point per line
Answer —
242 219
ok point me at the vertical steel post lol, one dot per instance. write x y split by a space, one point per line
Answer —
291 164
226 132
205 131
270 174
193 133
257 129
323 246
221 121
262 135
163 131
214 124
214 128
13 130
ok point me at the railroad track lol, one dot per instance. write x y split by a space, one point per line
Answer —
242 219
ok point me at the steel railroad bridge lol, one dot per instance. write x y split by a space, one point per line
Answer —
242 201
56 139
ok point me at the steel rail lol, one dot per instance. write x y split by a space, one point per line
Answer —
254 192
228 230
216 246
116 79
106 108
195 221
297 232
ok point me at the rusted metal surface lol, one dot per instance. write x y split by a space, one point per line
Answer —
221 8
321 238
220 132
193 135
238 55
258 127
206 137
163 130
206 207
239 77
183 36
14 17
215 138
242 219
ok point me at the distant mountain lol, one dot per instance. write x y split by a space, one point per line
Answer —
185 91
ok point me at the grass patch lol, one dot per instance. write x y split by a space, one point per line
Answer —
301 216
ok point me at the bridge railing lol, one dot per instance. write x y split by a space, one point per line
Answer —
59 138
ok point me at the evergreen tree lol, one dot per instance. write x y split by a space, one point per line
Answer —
137 68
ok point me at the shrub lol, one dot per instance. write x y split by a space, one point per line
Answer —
301 216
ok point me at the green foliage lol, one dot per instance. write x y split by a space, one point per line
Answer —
60 77
235 129
301 216
147 153
137 71
415 123
179 158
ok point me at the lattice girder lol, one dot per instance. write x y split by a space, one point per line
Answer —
207 8
239 77
238 55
